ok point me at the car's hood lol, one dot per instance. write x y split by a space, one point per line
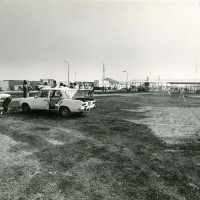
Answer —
82 93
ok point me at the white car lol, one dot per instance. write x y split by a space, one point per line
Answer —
65 100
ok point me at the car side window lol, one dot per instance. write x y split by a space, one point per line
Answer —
44 94
56 93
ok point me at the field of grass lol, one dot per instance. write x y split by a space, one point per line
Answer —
133 146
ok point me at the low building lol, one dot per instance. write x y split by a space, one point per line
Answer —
48 81
113 84
4 86
85 84
15 85
101 83
190 85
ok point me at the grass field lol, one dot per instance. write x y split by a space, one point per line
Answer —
133 146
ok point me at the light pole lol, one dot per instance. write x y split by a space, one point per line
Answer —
75 76
68 71
104 70
126 79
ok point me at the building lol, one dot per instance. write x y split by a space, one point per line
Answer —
101 83
15 85
85 84
113 84
190 85
49 81
4 86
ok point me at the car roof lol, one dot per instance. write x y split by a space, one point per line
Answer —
65 89
57 88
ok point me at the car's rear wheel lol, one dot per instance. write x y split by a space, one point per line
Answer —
65 112
26 108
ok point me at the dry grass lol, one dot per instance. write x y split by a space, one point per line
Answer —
134 146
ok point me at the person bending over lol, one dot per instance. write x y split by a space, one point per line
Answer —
5 99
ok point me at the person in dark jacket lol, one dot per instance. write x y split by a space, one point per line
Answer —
5 99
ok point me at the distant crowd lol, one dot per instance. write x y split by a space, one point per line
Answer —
27 88
167 92
72 85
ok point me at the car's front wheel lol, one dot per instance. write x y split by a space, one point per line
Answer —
26 108
65 112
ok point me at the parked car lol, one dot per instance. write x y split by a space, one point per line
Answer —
64 100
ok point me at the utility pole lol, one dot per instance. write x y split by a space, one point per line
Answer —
104 71
68 71
126 79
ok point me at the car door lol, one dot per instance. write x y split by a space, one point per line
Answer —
55 96
41 102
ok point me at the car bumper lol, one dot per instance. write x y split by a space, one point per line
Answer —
86 108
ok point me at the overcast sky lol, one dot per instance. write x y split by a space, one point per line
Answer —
144 38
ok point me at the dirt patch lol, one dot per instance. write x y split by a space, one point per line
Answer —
56 142
172 124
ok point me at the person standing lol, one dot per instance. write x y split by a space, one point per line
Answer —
103 89
5 99
182 92
61 85
71 85
76 86
92 87
25 89
45 85
168 92
163 91
54 84
38 86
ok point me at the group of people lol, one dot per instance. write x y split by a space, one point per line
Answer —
45 85
166 92
5 99
72 85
